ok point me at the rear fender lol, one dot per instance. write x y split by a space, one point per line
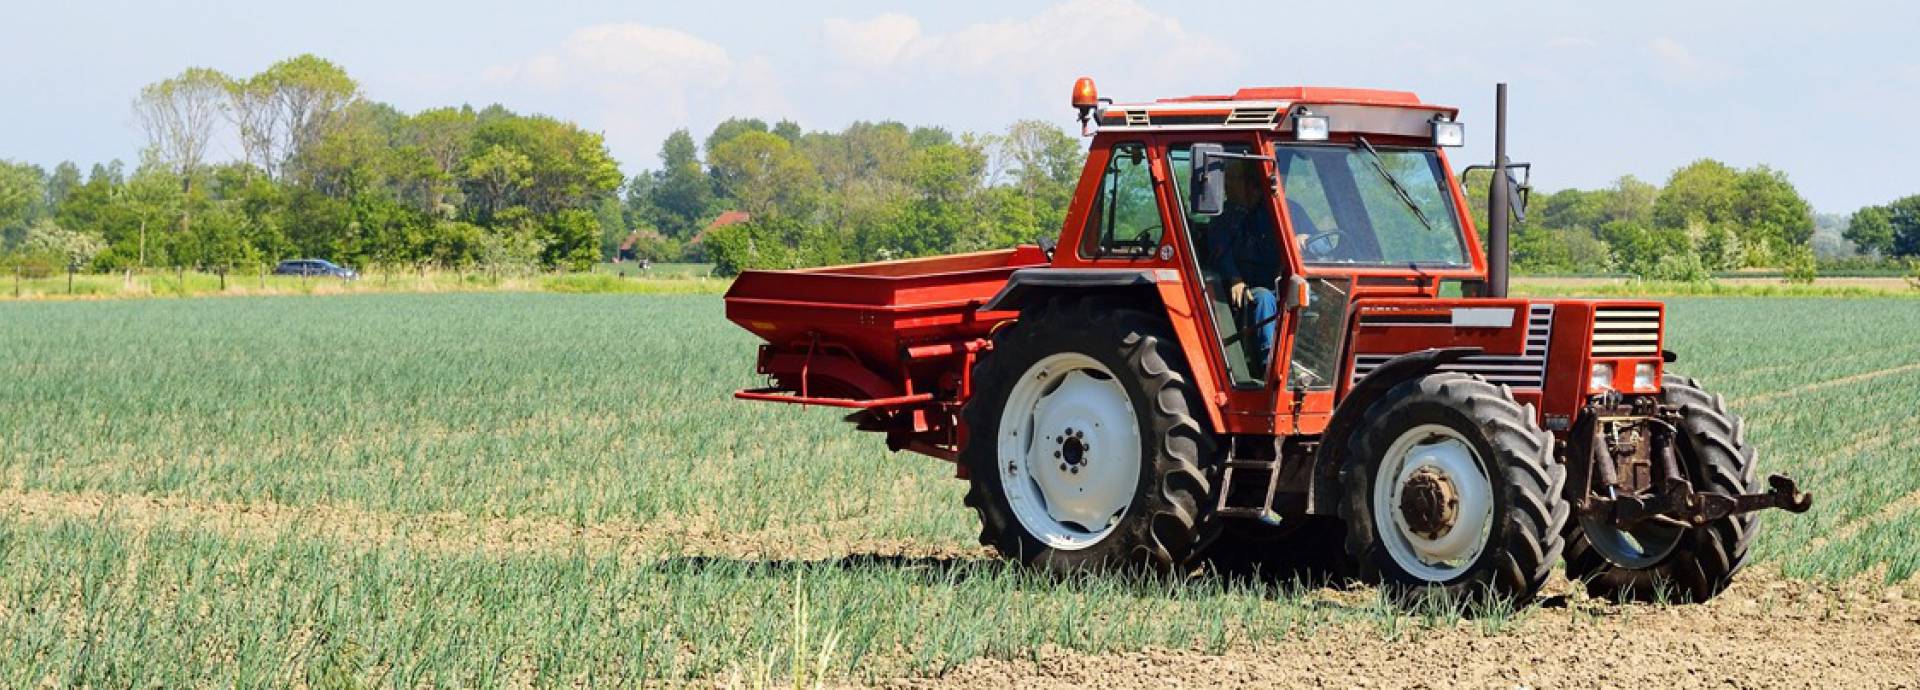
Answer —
1151 290
1323 496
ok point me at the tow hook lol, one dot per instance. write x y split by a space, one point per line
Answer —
1678 504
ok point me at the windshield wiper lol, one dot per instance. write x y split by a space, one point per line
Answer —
1399 190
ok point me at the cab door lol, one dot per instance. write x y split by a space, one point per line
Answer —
1247 341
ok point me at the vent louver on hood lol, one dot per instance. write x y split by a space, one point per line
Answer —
1626 332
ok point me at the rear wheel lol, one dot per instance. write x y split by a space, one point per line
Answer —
1654 561
1452 488
1081 446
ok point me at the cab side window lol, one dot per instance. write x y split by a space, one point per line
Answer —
1124 220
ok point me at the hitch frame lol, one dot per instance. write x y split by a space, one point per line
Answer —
1673 501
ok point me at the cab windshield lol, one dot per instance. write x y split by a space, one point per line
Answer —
1346 210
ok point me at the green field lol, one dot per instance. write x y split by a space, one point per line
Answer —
520 488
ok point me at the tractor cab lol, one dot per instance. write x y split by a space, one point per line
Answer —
1283 205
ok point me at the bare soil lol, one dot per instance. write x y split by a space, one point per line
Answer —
1766 632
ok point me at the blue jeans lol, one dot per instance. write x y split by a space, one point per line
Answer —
1261 306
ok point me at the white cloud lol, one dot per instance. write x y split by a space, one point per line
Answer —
1153 53
642 82
875 43
1678 63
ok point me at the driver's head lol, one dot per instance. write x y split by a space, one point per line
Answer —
1243 185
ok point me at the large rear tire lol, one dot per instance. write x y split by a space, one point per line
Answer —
1452 488
1701 561
1082 447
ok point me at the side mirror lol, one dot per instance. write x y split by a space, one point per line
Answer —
1298 296
1209 184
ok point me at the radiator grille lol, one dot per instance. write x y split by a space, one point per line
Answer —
1626 332
1528 370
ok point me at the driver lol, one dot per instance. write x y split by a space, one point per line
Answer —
1244 254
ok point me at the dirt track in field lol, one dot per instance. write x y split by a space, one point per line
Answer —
1766 632
1830 383
456 533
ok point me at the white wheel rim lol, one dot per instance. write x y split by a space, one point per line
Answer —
1439 450
1069 451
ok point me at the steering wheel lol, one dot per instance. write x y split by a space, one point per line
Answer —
1322 245
1145 237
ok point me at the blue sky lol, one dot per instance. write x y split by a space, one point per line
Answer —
1825 91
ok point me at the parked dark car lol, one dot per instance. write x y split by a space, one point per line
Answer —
314 267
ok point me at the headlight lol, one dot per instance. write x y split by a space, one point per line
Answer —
1310 127
1643 374
1447 133
1601 378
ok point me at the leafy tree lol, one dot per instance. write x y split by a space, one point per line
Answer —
1559 250
443 136
495 177
681 192
179 116
733 127
1871 229
309 94
766 175
1651 252
62 247
21 189
1904 216
60 184
1703 191
1891 230
788 130
1771 211
572 240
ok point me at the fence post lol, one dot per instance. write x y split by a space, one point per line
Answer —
70 268
223 279
263 277
180 279
16 282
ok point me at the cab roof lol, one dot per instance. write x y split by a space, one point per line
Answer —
1369 111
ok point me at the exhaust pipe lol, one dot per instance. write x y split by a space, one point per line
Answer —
1497 200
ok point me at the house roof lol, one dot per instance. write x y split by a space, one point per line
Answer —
725 219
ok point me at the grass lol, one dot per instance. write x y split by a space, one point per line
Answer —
606 278
534 488
1606 287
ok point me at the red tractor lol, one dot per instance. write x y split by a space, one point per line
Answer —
1268 335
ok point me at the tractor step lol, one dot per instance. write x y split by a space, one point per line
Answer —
1247 489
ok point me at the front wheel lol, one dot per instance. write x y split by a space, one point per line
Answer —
1452 487
1081 443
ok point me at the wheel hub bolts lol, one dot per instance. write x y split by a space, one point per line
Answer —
1429 504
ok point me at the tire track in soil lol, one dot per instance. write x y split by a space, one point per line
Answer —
457 533
1887 513
1829 383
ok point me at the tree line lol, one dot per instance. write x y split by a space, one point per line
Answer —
315 169
320 171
